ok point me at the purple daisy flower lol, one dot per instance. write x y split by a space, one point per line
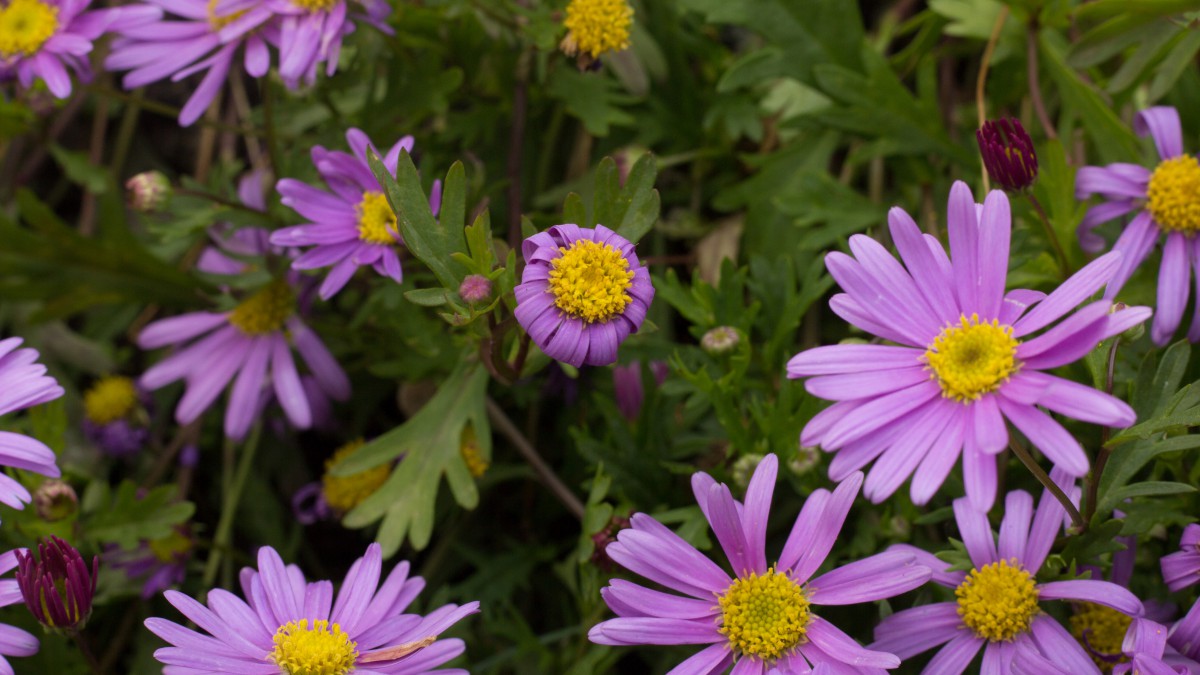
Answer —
966 357
762 619
1182 568
1165 201
582 293
23 384
43 38
185 44
310 32
159 563
116 417
13 641
997 607
1144 651
286 623
353 225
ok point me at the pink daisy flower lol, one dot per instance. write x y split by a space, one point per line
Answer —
966 358
762 619
1165 201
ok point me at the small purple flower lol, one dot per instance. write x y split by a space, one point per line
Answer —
1182 568
43 38
965 360
1008 154
160 563
763 617
286 623
115 416
13 641
57 584
1165 201
23 384
351 226
997 607
582 293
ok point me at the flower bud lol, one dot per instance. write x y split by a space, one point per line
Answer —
54 500
1133 333
743 469
804 460
475 288
148 191
57 585
1008 154
720 340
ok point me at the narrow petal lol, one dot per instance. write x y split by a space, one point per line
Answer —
1059 446
995 230
1100 592
1079 287
1162 124
976 532
757 511
830 639
954 658
815 531
883 575
1014 529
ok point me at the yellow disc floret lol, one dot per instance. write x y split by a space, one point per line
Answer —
376 221
315 5
265 311
591 281
110 399
972 358
319 650
1101 631
1174 194
764 616
25 25
998 601
343 493
597 26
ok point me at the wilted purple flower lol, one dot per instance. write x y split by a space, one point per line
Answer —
23 384
1008 154
297 626
998 609
1165 201
57 584
582 293
764 615
351 226
116 417
1182 568
965 360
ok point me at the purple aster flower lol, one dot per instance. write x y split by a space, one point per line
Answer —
763 616
1182 568
288 624
23 384
351 226
57 584
966 357
582 293
627 386
185 44
43 38
159 563
334 495
115 417
1144 651
309 32
997 607
1165 201
13 641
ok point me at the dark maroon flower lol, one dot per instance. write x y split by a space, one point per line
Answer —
1008 154
57 588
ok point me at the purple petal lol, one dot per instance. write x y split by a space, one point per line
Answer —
842 359
1100 592
976 533
1014 529
883 575
1059 446
830 639
1173 285
1080 286
963 228
757 510
956 655
1162 124
912 631
817 529
1055 642
1134 244
995 229
652 631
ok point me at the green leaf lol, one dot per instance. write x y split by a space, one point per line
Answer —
636 207
125 519
426 447
80 170
428 297
1102 9
592 98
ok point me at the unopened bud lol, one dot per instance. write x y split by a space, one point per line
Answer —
743 469
475 288
720 340
1007 152
1133 333
54 500
148 191
806 457
57 584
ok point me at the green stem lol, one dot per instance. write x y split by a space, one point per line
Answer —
1043 478
229 510
1063 265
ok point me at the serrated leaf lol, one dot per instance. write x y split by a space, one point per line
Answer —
127 519
80 170
427 447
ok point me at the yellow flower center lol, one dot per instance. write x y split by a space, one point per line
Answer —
25 25
343 493
597 26
764 616
315 5
998 601
218 22
1174 194
110 399
265 311
591 281
320 650
972 358
1101 631
376 221
171 547
469 447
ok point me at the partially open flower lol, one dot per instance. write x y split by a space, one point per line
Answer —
1008 154
57 584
